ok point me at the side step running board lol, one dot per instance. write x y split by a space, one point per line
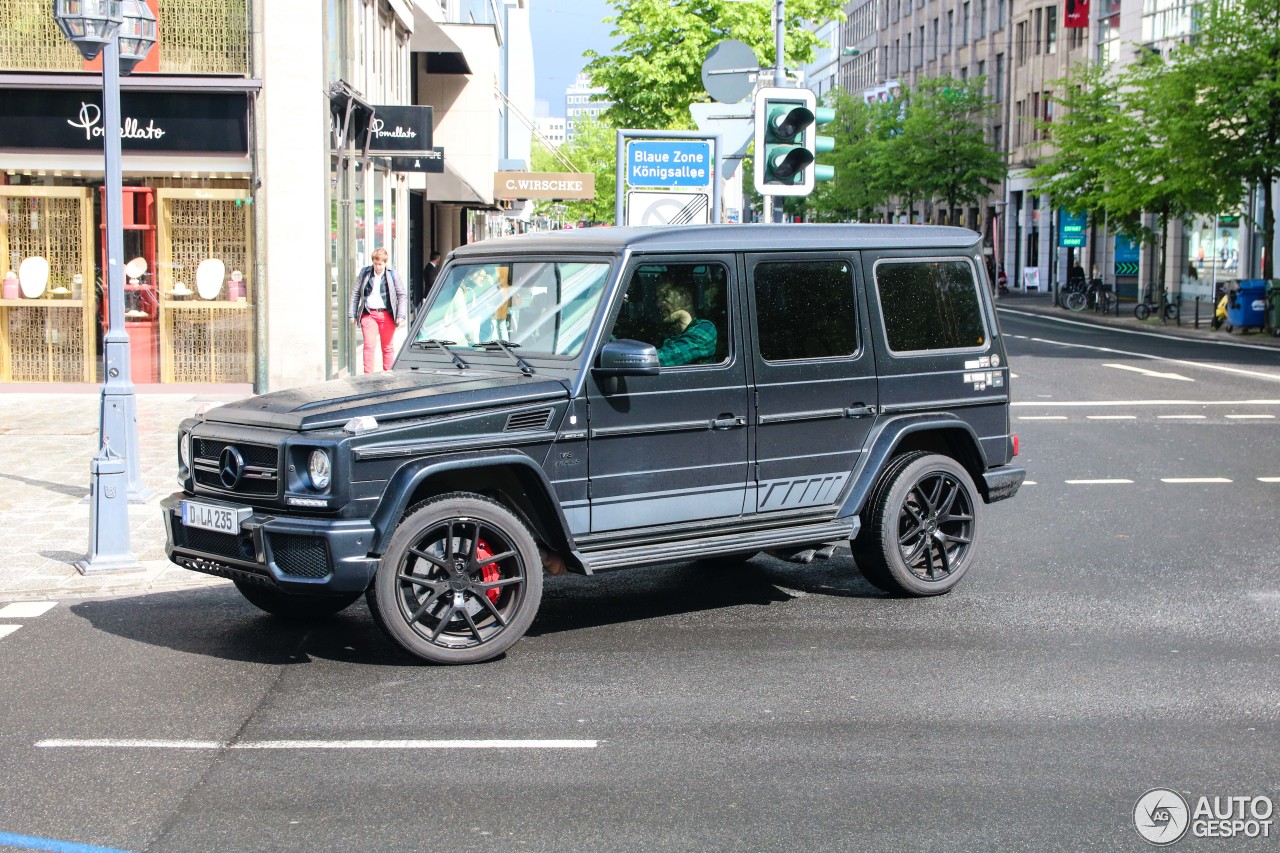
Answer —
710 546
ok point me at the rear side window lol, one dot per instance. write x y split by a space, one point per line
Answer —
805 309
930 305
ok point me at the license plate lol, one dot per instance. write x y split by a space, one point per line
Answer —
220 519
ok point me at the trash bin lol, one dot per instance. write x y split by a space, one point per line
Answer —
1247 306
1273 306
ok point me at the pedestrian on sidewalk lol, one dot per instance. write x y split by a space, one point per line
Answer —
379 303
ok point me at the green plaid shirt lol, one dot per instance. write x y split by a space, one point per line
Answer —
696 343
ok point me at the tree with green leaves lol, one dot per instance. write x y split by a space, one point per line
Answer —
1126 144
861 132
655 71
1230 75
593 149
944 138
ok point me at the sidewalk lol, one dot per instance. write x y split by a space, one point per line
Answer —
46 443
1042 304
48 438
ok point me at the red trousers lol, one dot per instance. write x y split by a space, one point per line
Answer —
379 328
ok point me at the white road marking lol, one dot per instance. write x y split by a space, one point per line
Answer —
1273 377
6 630
1042 417
26 609
1250 417
1181 417
1151 373
1030 483
1111 417
1269 479
109 743
1194 480
1097 482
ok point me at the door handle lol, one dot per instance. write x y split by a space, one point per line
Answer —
858 410
728 422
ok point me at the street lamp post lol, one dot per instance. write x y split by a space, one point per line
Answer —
123 31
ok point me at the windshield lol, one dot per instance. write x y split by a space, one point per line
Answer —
542 308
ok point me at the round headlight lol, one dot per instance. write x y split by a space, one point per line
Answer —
319 471
184 450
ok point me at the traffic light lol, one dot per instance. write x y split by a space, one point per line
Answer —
787 142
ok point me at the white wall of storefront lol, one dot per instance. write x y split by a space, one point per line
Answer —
293 125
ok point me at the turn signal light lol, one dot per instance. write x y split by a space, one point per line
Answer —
1015 445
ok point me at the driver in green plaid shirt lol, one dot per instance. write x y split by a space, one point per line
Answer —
696 340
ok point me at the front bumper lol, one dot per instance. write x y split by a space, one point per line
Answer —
313 555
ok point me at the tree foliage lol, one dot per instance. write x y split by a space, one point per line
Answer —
655 71
1230 75
944 135
930 144
593 149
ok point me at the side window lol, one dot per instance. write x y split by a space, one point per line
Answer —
805 309
680 309
930 305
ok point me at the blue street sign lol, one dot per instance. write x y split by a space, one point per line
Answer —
662 163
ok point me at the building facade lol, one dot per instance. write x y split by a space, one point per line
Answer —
582 101
251 198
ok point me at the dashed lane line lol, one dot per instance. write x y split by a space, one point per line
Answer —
1194 480
26 609
1139 403
1111 417
1111 482
23 610
1269 479
110 743
1250 417
1153 374
1181 417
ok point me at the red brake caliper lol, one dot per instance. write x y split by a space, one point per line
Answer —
489 572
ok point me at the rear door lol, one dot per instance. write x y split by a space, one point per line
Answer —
935 344
672 448
814 387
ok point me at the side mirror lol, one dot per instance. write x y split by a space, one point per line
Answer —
627 358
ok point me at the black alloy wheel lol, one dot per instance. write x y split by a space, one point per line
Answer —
460 582
920 526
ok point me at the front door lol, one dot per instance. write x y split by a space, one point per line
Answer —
672 448
815 377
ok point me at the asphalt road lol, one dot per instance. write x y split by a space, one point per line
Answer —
1117 634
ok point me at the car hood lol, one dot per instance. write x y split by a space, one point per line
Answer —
387 396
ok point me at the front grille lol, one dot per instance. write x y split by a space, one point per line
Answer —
239 547
528 421
300 556
261 467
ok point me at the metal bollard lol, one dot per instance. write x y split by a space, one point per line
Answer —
108 516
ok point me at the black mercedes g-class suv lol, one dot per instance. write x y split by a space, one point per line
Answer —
604 398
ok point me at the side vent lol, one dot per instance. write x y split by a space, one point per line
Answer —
528 421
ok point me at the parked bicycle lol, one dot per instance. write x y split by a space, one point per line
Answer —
1166 307
1101 297
1073 295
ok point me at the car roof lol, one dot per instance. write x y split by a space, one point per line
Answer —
726 238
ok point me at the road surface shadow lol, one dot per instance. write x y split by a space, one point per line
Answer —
218 622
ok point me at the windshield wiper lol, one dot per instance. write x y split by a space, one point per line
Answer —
444 348
508 349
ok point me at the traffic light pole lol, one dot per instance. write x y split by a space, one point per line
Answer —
779 79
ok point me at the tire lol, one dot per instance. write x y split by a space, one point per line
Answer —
920 526
460 582
289 605
1075 300
1142 310
1171 310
